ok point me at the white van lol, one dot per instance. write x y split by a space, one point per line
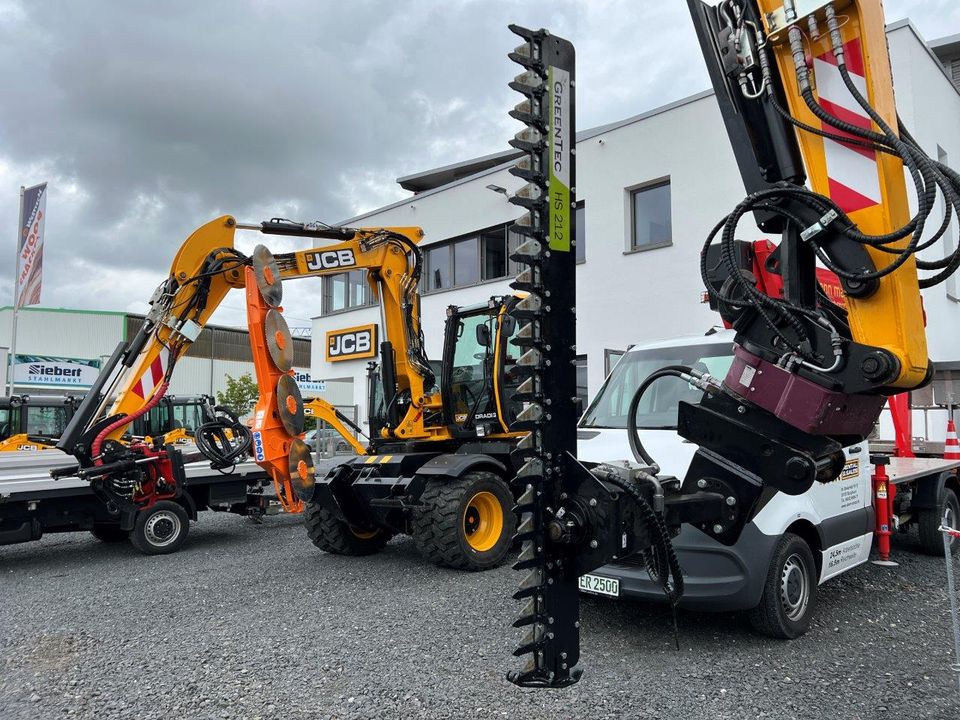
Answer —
790 545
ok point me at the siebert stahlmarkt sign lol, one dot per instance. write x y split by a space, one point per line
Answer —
352 343
36 370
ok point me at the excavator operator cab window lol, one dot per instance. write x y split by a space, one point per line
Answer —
471 388
45 421
509 378
157 421
376 405
5 423
188 416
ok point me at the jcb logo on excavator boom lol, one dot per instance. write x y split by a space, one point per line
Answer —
352 343
330 259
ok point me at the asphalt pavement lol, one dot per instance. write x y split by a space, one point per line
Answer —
251 621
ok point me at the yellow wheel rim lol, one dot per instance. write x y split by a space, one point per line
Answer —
363 535
483 521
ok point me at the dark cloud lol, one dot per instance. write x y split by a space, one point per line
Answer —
150 118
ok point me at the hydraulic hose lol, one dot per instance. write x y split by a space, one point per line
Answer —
126 420
640 453
660 558
212 440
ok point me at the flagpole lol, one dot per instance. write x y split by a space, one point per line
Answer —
16 297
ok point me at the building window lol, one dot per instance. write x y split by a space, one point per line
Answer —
345 291
514 240
357 285
459 262
438 267
466 262
581 232
334 293
582 396
493 247
650 207
478 257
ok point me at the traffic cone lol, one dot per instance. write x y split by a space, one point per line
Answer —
951 448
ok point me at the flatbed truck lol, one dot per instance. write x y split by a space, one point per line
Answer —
33 504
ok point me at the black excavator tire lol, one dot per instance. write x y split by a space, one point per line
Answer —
336 537
438 525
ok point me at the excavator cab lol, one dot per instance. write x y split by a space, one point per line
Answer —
479 375
174 412
33 422
377 401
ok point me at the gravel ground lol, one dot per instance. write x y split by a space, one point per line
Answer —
250 621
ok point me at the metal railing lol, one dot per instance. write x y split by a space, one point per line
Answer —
328 443
949 534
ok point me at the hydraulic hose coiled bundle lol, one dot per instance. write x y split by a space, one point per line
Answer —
223 439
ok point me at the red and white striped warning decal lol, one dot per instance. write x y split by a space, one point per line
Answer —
153 375
851 170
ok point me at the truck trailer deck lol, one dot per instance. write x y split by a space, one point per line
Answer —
32 503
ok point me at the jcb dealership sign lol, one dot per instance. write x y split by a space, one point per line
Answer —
352 343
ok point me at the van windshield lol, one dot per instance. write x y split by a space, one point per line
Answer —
658 408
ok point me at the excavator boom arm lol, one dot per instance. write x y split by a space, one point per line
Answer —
206 267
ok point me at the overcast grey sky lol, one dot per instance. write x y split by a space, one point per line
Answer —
150 118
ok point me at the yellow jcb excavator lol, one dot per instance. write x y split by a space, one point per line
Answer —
438 460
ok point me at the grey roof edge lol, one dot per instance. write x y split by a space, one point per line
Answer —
511 155
907 23
946 40
454 166
601 129
433 191
610 127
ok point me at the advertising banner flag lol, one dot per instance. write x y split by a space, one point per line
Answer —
30 256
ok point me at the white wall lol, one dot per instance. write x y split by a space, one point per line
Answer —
631 297
930 108
622 297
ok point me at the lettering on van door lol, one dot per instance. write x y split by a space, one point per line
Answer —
845 555
850 485
351 343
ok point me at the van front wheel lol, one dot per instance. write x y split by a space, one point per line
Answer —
789 593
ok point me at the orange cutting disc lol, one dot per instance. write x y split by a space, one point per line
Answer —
267 272
279 340
291 405
302 470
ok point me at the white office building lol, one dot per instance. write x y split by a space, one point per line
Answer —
650 187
